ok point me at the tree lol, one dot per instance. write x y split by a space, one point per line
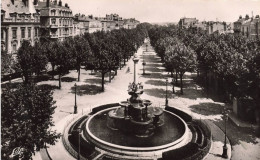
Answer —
184 59
39 58
50 51
63 60
25 60
80 50
8 64
26 120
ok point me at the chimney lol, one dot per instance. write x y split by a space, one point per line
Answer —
35 2
66 5
48 3
60 3
247 17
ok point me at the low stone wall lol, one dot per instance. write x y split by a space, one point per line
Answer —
191 151
102 107
187 118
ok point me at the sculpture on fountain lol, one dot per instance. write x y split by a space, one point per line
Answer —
135 116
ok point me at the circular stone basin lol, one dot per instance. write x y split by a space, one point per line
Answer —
171 133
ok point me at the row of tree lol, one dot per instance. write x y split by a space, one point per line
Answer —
178 58
101 51
233 59
26 111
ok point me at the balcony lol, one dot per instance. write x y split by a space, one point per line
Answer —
66 35
66 27
53 36
54 26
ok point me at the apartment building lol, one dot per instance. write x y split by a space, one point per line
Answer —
220 27
19 21
187 22
130 23
247 26
56 19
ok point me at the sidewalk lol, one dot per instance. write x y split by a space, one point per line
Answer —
216 149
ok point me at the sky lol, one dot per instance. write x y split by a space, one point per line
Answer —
168 10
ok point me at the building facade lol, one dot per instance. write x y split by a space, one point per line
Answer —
187 22
247 26
19 21
130 23
219 27
56 20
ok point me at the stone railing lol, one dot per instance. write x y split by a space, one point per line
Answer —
65 134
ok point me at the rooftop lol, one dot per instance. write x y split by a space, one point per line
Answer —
18 6
43 4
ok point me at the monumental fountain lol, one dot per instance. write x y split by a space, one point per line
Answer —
135 129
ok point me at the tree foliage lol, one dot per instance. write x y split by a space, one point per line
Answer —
25 120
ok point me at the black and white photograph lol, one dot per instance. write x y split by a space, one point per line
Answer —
130 80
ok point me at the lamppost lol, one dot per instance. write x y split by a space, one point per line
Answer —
166 96
225 148
143 64
79 130
135 59
173 91
75 106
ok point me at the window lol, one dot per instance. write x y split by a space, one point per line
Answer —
60 22
14 33
35 32
53 21
14 47
2 34
29 32
60 31
23 32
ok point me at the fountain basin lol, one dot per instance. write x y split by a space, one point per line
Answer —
170 134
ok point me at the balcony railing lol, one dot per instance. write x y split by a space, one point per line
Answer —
54 26
53 36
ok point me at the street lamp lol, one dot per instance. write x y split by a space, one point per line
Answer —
173 91
166 96
75 106
79 130
225 148
135 59
143 64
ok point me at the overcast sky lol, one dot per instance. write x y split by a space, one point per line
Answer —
168 10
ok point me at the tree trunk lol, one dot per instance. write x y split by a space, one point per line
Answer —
206 84
181 83
124 61
171 74
26 78
103 81
115 72
120 64
59 80
78 73
109 76
52 66
176 78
